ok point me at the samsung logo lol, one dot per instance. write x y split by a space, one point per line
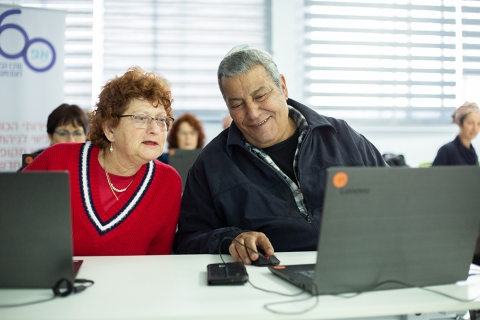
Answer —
354 191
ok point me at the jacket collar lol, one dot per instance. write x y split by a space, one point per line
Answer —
314 120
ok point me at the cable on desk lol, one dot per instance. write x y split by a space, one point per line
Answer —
406 285
277 292
261 289
57 291
342 295
25 303
267 306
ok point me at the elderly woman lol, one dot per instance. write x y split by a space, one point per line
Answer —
460 151
123 201
186 133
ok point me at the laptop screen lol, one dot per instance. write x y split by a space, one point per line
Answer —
35 229
182 161
397 226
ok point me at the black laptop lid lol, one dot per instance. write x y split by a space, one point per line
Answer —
35 229
27 158
414 225
182 160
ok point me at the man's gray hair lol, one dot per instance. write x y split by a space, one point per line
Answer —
242 59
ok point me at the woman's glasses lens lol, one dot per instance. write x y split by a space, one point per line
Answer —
142 121
67 134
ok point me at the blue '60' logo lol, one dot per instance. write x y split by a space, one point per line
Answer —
24 52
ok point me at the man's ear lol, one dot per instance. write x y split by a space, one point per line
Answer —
108 131
284 86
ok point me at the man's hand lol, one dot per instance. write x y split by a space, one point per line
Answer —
252 240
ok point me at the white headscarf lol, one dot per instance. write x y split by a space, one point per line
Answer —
463 110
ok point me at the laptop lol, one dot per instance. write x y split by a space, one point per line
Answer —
27 158
182 161
417 226
36 247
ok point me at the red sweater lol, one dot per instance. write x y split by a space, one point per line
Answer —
142 221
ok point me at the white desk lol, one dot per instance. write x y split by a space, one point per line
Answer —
175 287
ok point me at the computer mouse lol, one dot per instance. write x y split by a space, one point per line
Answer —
265 260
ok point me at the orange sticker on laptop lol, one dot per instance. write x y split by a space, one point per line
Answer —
172 152
340 179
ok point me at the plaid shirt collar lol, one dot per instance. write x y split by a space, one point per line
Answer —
302 126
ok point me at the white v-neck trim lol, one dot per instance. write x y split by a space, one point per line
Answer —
89 207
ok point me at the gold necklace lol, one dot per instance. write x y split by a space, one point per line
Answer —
110 184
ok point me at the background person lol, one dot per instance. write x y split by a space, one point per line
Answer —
262 180
460 151
123 201
186 133
66 123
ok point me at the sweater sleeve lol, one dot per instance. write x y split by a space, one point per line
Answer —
168 210
49 159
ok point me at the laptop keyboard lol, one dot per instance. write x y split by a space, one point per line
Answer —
306 273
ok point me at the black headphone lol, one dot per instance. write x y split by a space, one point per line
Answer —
70 288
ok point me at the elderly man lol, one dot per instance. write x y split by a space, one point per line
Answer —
262 181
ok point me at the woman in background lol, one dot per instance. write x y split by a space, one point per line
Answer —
66 123
460 151
123 201
187 133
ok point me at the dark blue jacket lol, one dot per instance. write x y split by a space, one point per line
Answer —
454 153
229 190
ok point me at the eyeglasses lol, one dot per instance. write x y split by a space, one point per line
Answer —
188 133
64 134
143 121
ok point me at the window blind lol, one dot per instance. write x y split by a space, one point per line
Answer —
471 50
184 41
381 60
